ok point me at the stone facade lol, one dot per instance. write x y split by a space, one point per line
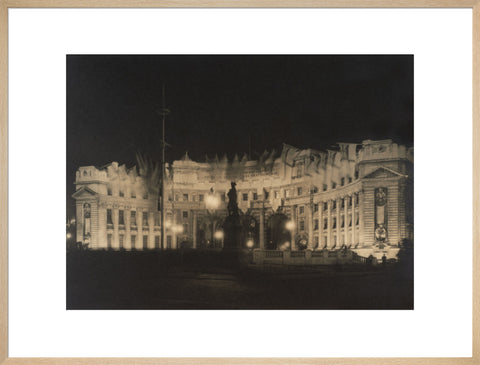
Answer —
356 195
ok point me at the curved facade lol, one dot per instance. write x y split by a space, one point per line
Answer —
356 195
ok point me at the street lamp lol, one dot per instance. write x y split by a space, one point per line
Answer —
290 225
212 202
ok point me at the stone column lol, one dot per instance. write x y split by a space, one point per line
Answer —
115 243
354 229
329 224
310 226
339 229
292 233
139 240
361 238
151 234
262 229
320 224
345 220
194 229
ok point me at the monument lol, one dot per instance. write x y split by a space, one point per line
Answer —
232 226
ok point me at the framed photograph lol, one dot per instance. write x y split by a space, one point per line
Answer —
241 182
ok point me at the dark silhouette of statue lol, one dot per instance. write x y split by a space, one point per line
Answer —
232 200
232 226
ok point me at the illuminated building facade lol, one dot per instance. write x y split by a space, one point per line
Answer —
357 195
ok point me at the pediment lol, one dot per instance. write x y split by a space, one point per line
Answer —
84 193
383 173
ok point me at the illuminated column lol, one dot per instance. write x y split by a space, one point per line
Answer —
320 225
262 229
339 230
194 229
102 226
345 220
361 237
127 241
151 236
294 220
173 229
329 224
115 243
139 240
310 226
354 229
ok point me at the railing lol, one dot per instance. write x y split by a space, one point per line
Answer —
273 253
297 254
358 259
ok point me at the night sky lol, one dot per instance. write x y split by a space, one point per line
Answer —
223 104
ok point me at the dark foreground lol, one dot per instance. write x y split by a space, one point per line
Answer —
218 280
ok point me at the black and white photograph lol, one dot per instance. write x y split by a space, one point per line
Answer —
240 182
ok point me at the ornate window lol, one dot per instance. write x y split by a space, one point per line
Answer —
301 209
121 219
245 197
109 216
185 214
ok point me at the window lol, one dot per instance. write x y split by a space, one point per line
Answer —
325 223
185 214
314 190
342 202
245 197
121 193
315 207
157 219
334 222
157 242
133 218
299 191
185 227
316 241
356 199
342 224
120 241
325 206
132 194
315 225
109 216
334 240
132 241
145 195
121 219
334 185
349 179
255 196
145 218
302 225
349 201
357 219
109 240
109 190
349 221
356 175
145 242
200 198
334 204
169 242
301 209
342 181
325 187
185 197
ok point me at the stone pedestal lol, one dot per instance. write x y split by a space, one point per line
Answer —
232 230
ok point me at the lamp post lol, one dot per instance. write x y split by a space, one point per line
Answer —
212 202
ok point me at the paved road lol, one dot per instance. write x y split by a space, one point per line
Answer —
127 283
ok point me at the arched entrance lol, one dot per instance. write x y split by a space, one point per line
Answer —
277 233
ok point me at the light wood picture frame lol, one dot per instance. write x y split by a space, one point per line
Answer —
5 5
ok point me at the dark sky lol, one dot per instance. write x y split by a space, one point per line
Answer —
219 103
